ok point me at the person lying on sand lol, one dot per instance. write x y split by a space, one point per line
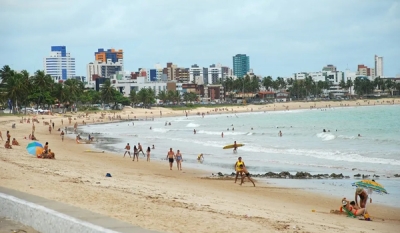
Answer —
352 207
7 145
15 142
246 174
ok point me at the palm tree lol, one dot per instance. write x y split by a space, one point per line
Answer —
390 85
16 89
162 95
42 84
5 73
107 92
267 82
133 96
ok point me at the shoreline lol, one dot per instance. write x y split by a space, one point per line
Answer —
147 194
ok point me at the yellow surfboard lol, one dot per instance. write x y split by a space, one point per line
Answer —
232 146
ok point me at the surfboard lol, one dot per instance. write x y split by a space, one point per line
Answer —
232 145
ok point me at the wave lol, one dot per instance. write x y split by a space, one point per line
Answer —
219 133
346 137
160 130
326 136
192 125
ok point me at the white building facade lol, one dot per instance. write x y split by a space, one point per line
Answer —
103 69
59 65
378 66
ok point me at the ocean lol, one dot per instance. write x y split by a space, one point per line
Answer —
303 145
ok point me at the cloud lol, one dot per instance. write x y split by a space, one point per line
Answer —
281 37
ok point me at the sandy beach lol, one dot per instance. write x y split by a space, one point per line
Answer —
153 197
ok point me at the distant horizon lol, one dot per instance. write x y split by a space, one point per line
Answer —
280 37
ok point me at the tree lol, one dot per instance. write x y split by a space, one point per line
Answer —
349 85
390 85
107 92
133 97
42 85
162 95
146 96
267 82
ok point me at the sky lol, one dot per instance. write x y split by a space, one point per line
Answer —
281 37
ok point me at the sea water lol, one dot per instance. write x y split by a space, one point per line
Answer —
304 146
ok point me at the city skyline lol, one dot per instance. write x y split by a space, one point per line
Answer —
281 37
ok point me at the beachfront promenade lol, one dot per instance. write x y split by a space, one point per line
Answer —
50 216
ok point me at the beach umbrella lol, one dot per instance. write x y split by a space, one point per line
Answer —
34 148
371 186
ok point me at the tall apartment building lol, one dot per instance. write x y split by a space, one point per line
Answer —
214 74
378 66
365 71
170 71
59 65
109 54
241 65
194 72
107 63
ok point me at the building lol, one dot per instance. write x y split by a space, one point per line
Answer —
109 54
329 67
214 92
170 71
103 69
214 74
378 66
182 75
365 71
59 65
194 72
241 65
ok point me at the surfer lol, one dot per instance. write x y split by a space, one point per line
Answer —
179 160
234 147
170 157
127 150
246 174
239 165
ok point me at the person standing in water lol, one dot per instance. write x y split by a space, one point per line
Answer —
127 150
179 159
280 133
148 154
222 134
234 147
170 157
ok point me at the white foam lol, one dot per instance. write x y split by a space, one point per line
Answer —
326 136
219 133
160 130
192 125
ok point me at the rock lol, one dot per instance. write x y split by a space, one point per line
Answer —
336 176
357 175
302 175
285 175
396 175
220 174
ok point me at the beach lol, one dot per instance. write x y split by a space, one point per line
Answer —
153 197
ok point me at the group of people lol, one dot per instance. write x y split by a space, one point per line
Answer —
136 151
241 170
47 153
353 206
8 144
171 156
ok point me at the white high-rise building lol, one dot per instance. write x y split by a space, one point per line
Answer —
194 72
103 69
214 74
378 66
59 65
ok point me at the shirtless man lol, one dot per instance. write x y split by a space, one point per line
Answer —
127 150
140 149
62 135
170 157
246 174
362 193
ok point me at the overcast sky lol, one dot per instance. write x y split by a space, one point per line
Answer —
280 36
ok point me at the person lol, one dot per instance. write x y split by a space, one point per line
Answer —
194 131
362 193
170 157
50 129
128 150
33 137
359 135
222 134
15 142
52 124
62 135
246 174
234 147
200 158
148 154
280 133
153 147
7 145
239 165
33 127
179 159
140 149
352 207
50 155
8 135
135 153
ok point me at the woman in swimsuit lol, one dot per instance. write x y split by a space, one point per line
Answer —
148 154
179 159
351 206
246 174
135 154
363 197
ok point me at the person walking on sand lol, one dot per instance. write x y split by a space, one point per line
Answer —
52 124
135 154
239 165
127 150
62 135
170 157
148 154
246 174
140 149
179 160
33 128
50 129
8 136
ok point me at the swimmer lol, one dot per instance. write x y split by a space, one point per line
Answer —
200 158
280 133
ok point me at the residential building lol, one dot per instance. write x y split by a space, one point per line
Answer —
194 72
182 75
329 67
152 75
378 66
170 71
59 65
241 65
366 71
109 54
214 74
103 69
214 92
